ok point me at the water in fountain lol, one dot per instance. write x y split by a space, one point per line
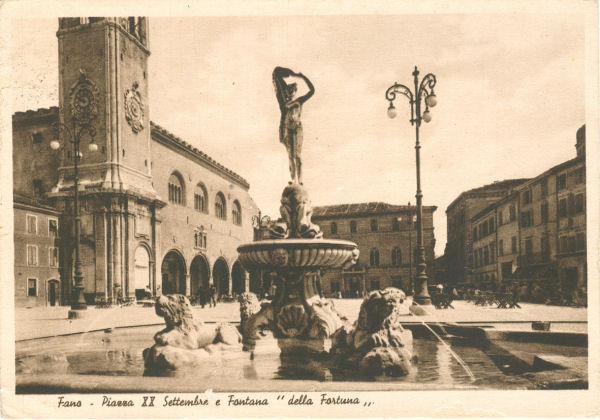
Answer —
446 346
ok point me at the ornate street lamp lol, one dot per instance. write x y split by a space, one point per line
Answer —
84 111
260 222
423 93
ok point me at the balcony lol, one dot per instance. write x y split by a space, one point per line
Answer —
533 259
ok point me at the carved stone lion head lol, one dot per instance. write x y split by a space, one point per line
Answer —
176 311
380 309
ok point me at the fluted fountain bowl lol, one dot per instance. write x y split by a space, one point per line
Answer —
297 253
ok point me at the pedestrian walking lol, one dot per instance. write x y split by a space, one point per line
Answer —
213 296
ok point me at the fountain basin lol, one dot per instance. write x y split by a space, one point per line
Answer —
297 253
112 362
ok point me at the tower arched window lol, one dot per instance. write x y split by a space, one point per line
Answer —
374 226
374 257
236 213
220 207
396 257
200 198
353 226
333 228
176 189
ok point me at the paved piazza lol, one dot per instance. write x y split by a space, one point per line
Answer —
45 322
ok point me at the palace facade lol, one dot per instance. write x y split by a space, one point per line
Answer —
157 214
386 236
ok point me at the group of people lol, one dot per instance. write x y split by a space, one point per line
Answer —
534 291
207 295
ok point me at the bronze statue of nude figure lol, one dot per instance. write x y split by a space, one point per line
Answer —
290 127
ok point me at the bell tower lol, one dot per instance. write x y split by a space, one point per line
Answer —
103 82
103 63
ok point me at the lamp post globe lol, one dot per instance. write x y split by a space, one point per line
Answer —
54 145
93 147
392 111
431 100
426 116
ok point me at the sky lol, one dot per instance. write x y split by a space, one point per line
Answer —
510 91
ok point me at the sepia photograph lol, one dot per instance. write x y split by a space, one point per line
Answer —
298 208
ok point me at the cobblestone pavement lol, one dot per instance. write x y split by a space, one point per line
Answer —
50 321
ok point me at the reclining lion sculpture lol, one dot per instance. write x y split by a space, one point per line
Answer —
377 344
185 339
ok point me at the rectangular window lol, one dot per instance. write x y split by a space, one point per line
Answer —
544 187
571 204
544 212
375 284
580 176
527 218
38 189
501 247
32 255
579 203
53 256
561 182
32 224
32 287
492 226
513 244
53 227
562 207
512 213
475 233
526 196
545 246
571 243
500 218
36 138
475 258
580 241
563 244
492 254
528 247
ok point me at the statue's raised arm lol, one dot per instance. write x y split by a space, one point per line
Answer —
311 89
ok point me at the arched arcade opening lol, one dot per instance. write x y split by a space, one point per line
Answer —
221 277
238 278
199 275
173 273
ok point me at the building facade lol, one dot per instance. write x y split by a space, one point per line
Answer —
386 236
537 234
156 213
37 277
459 246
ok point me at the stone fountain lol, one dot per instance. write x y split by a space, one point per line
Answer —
306 325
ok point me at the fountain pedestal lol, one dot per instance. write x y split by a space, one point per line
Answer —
299 317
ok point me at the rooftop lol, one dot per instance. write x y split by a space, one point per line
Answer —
30 115
375 207
496 186
553 170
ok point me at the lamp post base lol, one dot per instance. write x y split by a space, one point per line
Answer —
77 313
421 310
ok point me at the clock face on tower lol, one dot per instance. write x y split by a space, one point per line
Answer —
134 108
84 99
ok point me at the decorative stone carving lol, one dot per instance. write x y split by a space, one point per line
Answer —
296 214
377 344
249 305
324 319
292 320
134 108
84 99
186 340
